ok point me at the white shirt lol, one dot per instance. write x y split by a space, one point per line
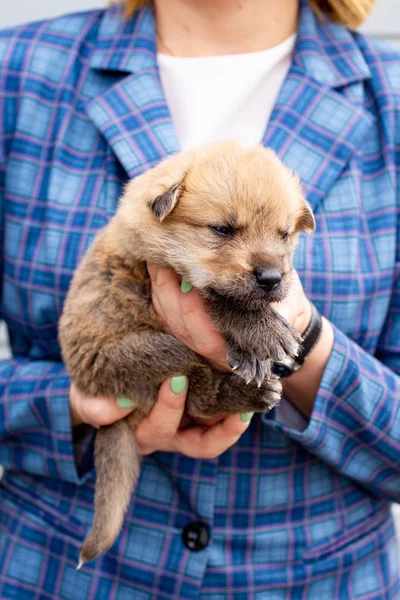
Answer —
224 97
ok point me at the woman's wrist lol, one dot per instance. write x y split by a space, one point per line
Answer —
301 388
303 317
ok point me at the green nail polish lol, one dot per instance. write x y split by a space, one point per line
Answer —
186 287
179 384
125 402
246 417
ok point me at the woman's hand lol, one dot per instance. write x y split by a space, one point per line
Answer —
166 428
96 411
184 316
182 313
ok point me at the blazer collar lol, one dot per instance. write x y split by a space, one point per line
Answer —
318 122
326 52
125 45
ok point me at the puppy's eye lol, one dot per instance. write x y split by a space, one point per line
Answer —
285 236
223 230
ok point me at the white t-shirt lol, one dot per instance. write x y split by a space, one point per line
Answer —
224 97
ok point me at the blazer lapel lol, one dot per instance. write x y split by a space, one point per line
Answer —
132 114
319 119
318 122
134 118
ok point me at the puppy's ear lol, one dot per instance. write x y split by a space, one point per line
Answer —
164 204
305 219
305 216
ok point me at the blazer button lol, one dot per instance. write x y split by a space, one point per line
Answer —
196 536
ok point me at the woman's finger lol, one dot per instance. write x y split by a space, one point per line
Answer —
157 306
98 411
153 270
206 339
156 430
182 311
210 442
168 292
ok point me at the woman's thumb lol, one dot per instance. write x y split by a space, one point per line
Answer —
104 411
99 411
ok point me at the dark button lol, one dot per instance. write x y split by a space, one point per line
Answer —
196 536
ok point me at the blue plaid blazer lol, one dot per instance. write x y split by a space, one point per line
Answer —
291 514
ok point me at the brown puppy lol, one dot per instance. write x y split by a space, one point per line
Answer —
226 219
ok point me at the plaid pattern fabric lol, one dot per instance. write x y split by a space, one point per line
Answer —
292 514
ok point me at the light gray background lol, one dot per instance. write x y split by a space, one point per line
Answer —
384 22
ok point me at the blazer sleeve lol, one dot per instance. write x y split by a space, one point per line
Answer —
35 428
355 423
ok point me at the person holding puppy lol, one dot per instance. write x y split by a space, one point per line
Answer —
295 502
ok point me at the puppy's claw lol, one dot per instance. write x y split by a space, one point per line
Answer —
234 366
247 367
273 388
80 565
261 369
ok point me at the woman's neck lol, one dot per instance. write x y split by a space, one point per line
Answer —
217 27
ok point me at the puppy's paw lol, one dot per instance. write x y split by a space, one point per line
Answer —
271 390
202 399
247 367
268 338
281 339
236 397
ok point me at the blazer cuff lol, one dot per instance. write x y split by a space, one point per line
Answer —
311 434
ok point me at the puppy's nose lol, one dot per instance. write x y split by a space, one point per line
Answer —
268 279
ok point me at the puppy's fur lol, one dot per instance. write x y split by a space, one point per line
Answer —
111 339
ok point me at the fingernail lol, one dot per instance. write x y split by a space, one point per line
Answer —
186 287
125 402
246 417
179 384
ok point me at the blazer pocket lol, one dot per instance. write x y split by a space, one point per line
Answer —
343 543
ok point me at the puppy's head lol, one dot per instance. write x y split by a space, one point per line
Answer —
224 217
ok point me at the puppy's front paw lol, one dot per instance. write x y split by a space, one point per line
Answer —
203 390
271 390
281 339
235 396
268 337
285 340
247 367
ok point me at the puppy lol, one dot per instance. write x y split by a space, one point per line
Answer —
226 219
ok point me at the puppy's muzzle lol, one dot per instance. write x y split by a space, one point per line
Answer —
268 279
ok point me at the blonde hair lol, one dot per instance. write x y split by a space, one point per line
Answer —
350 13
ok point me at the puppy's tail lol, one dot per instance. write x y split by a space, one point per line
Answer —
117 466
